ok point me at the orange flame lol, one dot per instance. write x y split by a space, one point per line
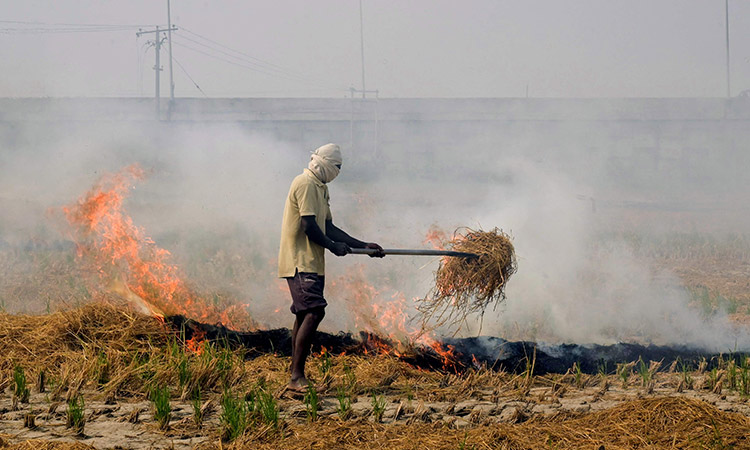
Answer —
195 343
130 263
388 324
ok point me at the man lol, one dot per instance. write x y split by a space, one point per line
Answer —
307 229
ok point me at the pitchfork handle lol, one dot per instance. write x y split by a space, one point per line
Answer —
415 252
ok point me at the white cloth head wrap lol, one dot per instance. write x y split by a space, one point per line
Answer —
323 162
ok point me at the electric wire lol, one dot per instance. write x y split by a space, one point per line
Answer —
253 68
257 60
249 59
250 65
33 27
188 75
72 24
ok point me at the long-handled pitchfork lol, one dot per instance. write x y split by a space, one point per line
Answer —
414 252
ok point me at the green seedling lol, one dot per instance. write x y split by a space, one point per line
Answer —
20 388
197 404
312 403
744 377
601 369
234 417
643 372
687 377
350 379
183 370
578 375
732 374
75 414
623 372
345 402
224 363
378 406
162 406
267 407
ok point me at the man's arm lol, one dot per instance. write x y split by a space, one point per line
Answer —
338 235
315 234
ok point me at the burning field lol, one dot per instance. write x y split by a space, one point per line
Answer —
129 353
103 376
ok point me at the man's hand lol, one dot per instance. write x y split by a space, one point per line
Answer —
379 253
340 249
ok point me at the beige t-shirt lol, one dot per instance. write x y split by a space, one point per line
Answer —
308 196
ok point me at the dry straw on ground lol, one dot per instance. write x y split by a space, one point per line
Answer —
465 286
660 422
48 341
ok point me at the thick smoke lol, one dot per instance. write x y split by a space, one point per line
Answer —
215 194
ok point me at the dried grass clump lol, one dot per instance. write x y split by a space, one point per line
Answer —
49 342
464 286
647 423
39 444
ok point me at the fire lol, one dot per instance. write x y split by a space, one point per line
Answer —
387 323
195 343
129 263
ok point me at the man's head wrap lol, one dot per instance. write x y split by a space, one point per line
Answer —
323 162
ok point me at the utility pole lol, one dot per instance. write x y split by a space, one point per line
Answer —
726 11
171 78
158 39
362 47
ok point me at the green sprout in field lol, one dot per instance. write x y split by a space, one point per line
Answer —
197 405
234 417
601 369
578 375
350 379
623 371
264 406
75 414
378 407
643 372
744 377
162 406
345 402
312 403
687 377
20 389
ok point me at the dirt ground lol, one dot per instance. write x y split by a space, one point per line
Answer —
477 399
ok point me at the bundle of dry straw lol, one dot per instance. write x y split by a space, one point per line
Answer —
464 286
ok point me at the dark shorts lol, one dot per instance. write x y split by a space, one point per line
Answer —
307 291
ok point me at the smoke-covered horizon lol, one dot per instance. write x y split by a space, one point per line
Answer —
215 193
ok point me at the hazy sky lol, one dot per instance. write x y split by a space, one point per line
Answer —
415 48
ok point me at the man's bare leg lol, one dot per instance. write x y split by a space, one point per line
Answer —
295 329
306 324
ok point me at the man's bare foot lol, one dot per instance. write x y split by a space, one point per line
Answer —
298 385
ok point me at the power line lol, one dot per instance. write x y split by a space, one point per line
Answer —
260 67
255 68
72 24
258 60
250 59
64 30
191 78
